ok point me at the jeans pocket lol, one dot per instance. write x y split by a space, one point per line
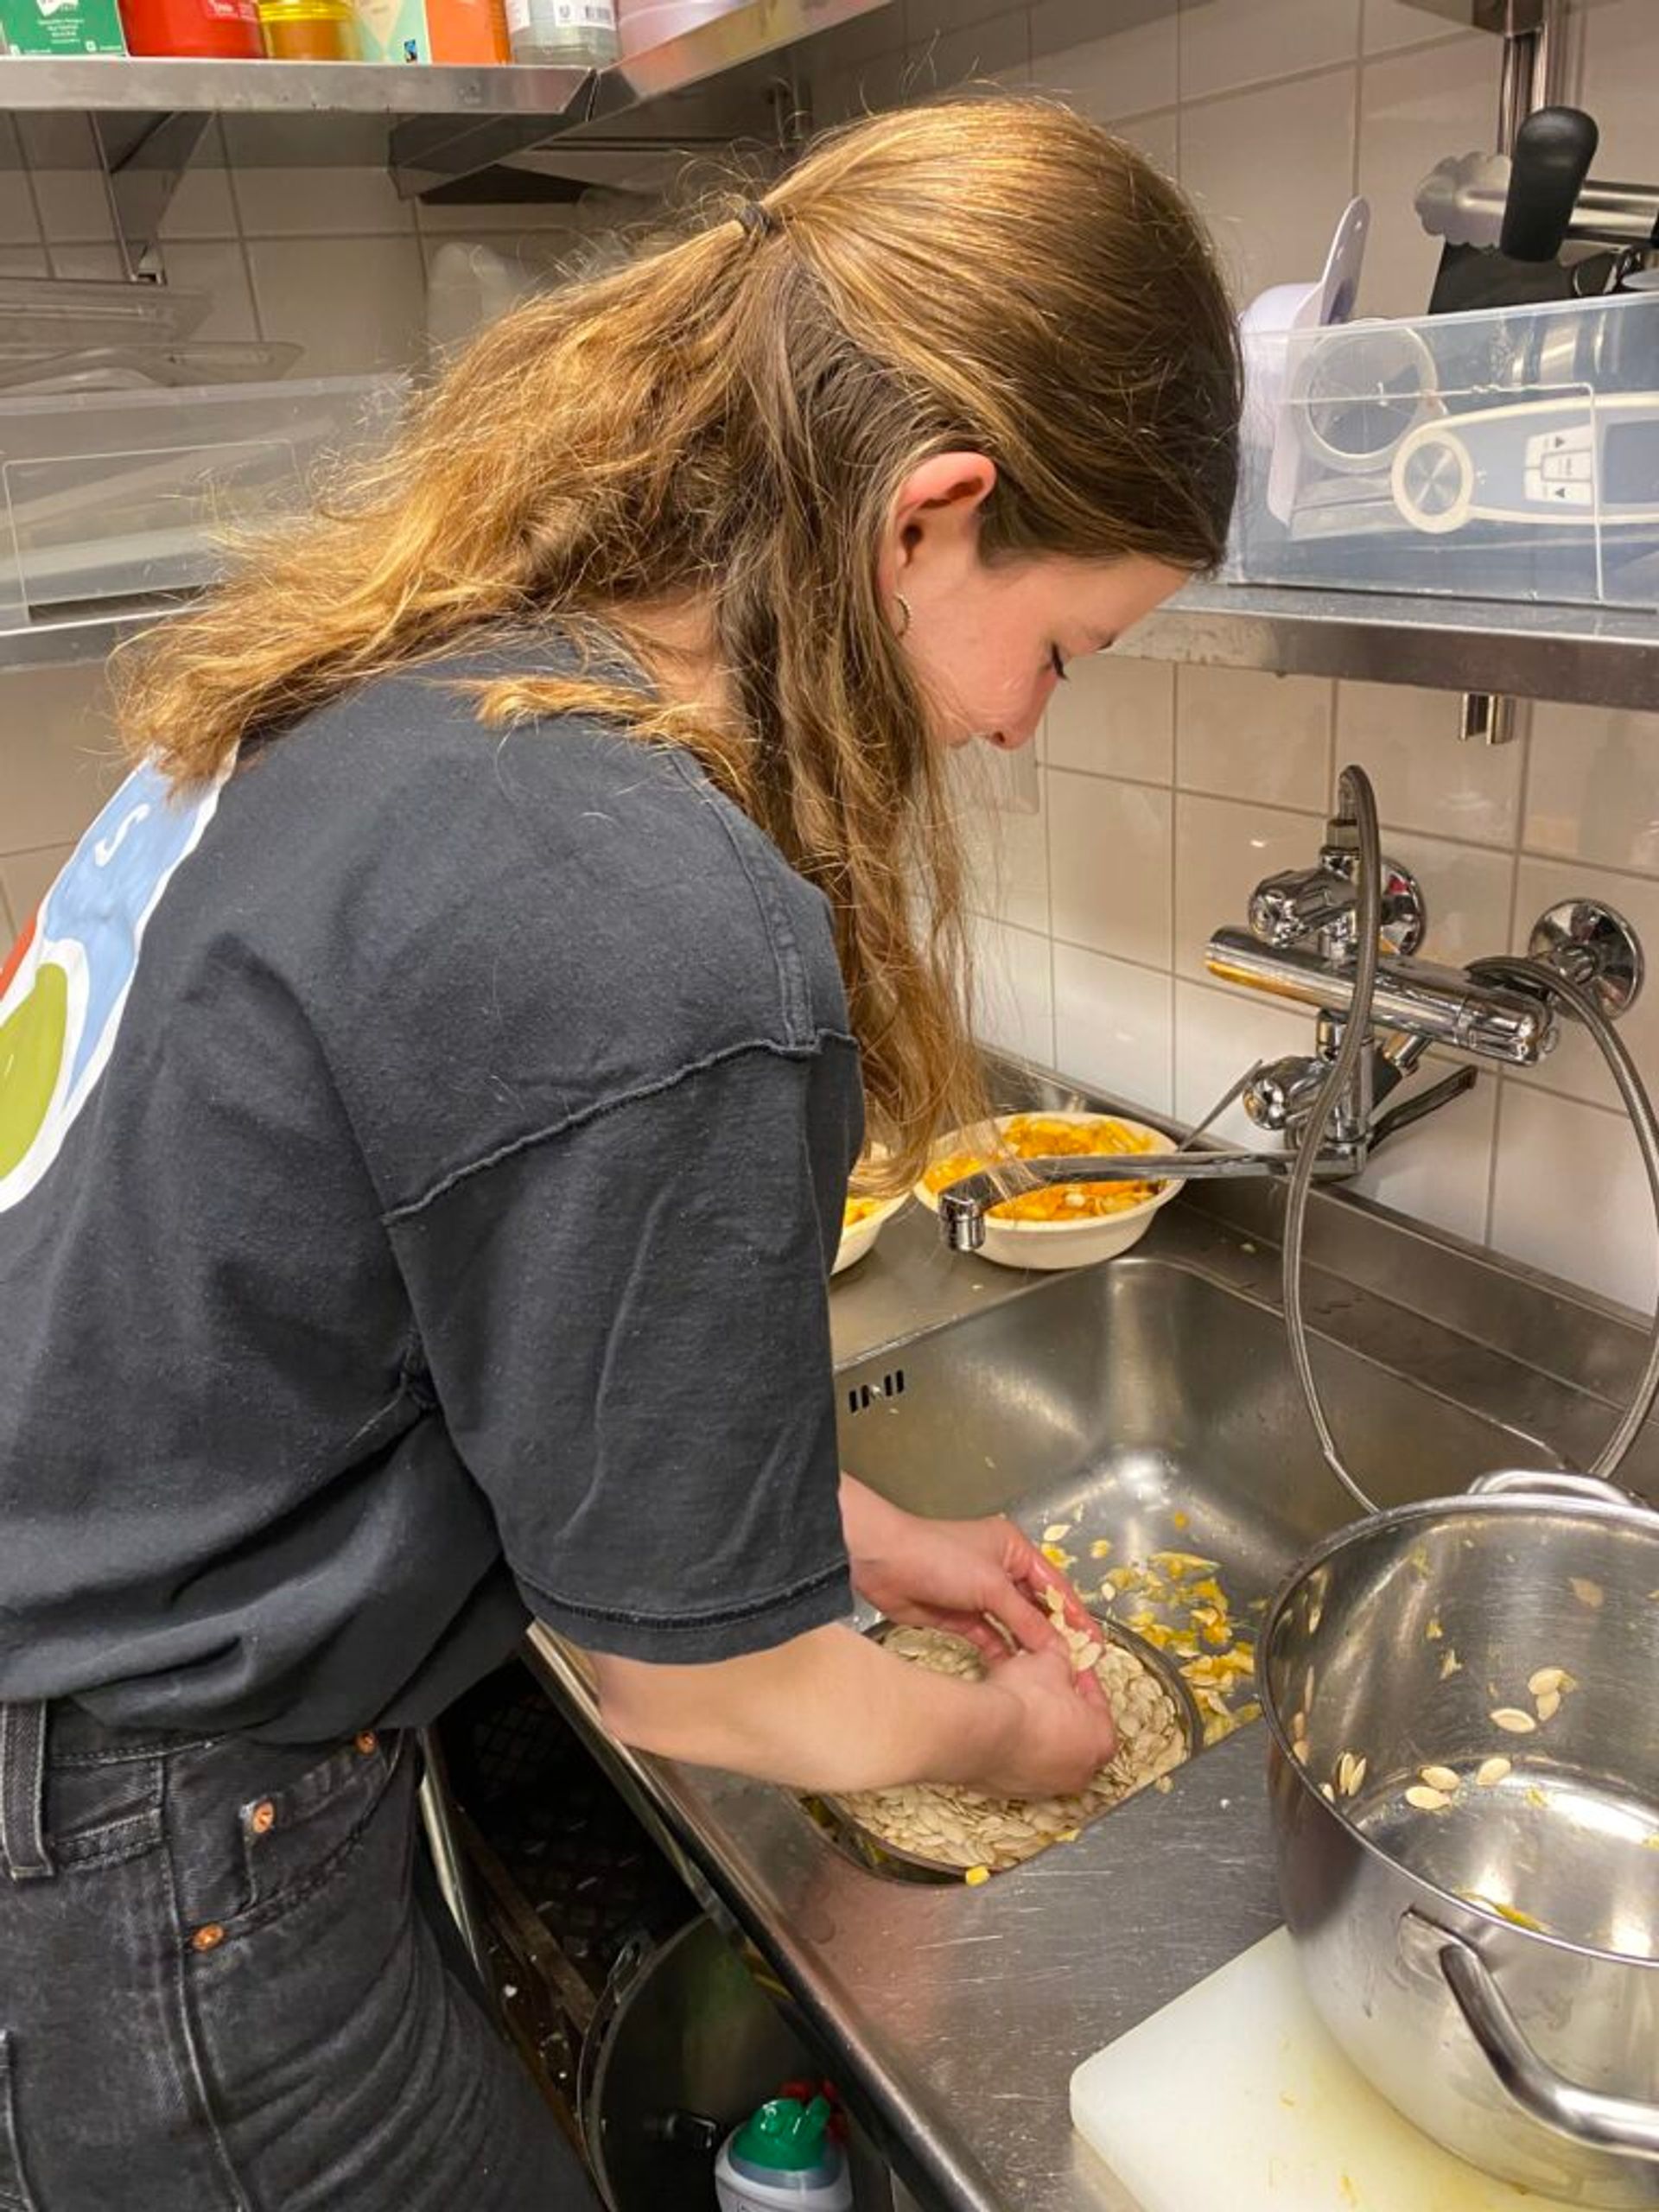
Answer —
13 2190
294 1834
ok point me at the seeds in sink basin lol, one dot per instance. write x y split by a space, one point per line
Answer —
1442 1778
1586 1592
1351 1772
1551 1678
1511 1717
1434 1632
1450 1665
1057 1531
1426 1800
1549 1704
1492 1770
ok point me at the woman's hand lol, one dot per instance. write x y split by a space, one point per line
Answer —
951 1574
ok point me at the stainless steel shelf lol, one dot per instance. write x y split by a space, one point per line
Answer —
1600 657
107 85
91 638
1586 656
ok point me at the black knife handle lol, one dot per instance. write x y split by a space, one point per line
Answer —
1553 148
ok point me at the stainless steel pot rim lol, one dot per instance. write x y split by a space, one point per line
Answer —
1514 1503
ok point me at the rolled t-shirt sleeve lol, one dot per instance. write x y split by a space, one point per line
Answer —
626 1323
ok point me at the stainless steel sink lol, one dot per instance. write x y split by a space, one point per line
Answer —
1151 1407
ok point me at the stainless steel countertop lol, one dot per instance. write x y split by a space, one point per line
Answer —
960 2013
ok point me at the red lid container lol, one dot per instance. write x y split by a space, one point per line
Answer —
228 30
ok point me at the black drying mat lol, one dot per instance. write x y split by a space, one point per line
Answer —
584 1862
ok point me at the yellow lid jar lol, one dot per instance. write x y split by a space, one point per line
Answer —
310 30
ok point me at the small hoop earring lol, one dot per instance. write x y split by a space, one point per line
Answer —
903 630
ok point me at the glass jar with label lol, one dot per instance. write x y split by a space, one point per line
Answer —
576 33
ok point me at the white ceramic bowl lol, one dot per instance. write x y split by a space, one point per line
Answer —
1064 1243
856 1241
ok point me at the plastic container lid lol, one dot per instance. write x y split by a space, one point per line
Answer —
786 2138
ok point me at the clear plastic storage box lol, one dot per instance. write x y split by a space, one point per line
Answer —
1511 455
122 496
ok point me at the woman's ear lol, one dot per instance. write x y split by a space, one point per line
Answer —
936 510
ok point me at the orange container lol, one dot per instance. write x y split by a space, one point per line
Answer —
467 31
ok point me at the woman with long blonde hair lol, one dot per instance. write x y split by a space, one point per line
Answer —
427 1104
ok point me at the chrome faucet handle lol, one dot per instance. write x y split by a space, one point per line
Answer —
1316 905
1283 1092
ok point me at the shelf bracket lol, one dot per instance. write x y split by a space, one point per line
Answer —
143 157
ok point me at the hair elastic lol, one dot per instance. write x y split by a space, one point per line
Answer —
758 220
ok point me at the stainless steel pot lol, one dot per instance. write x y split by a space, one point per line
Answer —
1491 1963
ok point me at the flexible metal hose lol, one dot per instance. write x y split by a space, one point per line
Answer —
1538 975
1356 797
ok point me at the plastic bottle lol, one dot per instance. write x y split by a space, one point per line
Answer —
579 34
641 24
783 2160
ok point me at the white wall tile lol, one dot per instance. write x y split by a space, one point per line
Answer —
1219 1034
1114 717
1272 171
926 19
1386 24
25 879
1593 786
998 49
1114 1027
74 207
1014 992
1157 135
352 303
202 205
20 224
1229 43
319 203
1425 778
24 261
104 265
1125 73
1575 1066
562 217
1007 848
1109 860
1570 1195
1223 850
57 756
1438 1169
866 88
1415 108
1468 890
1621 46
218 267
1242 734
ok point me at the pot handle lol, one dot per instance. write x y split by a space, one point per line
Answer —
1625 2125
1553 1483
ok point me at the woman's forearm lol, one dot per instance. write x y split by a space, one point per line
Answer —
828 1711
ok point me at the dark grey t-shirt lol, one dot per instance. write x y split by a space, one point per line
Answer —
419 1163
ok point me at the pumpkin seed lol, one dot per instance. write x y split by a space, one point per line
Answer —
1492 1770
1426 1800
1511 1717
1441 1778
1549 1704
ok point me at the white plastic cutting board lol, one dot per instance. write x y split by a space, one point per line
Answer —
1235 2096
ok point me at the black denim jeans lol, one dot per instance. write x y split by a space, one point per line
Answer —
217 1993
